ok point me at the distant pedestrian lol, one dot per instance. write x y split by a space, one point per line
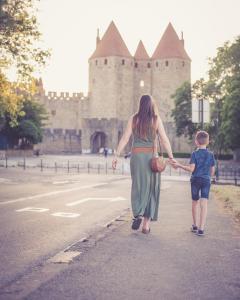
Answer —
144 126
105 151
202 167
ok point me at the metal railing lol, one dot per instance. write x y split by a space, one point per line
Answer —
224 174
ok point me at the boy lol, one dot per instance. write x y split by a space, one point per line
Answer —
202 167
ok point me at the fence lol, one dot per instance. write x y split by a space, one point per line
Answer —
224 174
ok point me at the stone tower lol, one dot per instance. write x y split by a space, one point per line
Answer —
171 66
142 74
110 77
110 91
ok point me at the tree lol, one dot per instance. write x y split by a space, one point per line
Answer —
19 35
10 102
30 125
230 128
182 113
225 73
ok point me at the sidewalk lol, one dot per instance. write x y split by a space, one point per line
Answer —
170 263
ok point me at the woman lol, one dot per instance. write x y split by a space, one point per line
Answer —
144 126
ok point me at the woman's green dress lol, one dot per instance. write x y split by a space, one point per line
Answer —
145 191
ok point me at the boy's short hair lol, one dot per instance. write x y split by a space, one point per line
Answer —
202 137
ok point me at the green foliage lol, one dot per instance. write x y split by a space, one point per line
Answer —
222 89
19 35
29 128
182 113
225 73
230 128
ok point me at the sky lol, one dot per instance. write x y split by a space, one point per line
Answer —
69 29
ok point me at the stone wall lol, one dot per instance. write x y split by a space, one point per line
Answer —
58 141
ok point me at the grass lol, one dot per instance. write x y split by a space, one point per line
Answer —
229 196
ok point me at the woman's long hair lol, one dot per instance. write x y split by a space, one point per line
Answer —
144 121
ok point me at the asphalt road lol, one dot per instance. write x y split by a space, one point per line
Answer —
42 214
169 264
112 263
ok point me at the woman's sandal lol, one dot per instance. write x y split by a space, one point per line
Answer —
136 223
146 231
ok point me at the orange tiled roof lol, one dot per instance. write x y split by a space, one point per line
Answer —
141 52
170 46
111 44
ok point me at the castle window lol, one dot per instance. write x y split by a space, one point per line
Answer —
157 64
166 63
96 62
149 65
183 63
105 61
123 62
141 84
136 65
53 112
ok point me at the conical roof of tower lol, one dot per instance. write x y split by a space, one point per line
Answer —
141 53
170 46
111 44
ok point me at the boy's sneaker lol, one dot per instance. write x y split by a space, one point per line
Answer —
200 232
194 228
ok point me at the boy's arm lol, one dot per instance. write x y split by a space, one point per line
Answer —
212 171
189 168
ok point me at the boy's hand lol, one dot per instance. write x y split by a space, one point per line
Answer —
174 163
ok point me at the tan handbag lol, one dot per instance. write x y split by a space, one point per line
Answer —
158 164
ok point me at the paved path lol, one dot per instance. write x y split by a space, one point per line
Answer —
170 263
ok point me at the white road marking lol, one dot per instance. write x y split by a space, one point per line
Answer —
34 209
65 215
61 182
53 193
93 199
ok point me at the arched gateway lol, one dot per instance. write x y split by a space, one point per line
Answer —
98 140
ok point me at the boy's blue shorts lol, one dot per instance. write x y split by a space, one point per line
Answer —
200 188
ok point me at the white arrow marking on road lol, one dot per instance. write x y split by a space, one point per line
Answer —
65 215
35 209
53 193
93 199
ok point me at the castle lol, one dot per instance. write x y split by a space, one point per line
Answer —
80 124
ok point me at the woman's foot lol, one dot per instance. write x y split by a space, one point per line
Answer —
146 226
136 223
146 231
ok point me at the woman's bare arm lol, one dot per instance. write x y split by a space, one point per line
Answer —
125 138
164 139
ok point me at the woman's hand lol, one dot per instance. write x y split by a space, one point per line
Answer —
114 163
173 163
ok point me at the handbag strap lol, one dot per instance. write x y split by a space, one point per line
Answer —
159 144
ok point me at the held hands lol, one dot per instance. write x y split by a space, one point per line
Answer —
173 163
114 163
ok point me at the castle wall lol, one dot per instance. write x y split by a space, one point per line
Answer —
167 76
165 80
125 92
63 129
112 128
142 80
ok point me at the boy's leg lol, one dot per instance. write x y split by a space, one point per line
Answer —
195 189
195 211
205 188
203 212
